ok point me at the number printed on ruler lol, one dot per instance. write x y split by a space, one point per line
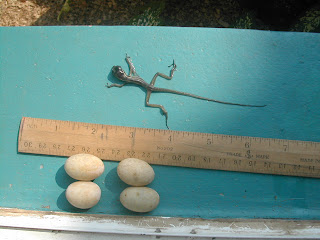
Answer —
174 148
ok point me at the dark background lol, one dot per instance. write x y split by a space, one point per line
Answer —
278 15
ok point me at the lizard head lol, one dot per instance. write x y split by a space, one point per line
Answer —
118 72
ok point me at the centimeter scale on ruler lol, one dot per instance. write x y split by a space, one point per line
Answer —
173 148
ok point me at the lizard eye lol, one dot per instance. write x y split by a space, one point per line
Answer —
118 71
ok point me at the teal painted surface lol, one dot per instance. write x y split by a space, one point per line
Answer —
61 72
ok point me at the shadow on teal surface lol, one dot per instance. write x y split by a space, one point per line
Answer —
113 183
63 179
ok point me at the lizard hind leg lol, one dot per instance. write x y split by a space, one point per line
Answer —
164 111
174 67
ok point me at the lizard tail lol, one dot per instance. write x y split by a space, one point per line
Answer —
202 98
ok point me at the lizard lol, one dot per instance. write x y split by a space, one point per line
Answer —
134 78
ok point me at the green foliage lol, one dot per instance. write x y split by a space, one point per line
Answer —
244 22
150 15
310 22
248 20
65 8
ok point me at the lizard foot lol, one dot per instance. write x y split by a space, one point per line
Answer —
173 65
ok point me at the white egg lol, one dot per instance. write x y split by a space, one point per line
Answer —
135 172
83 194
139 199
84 167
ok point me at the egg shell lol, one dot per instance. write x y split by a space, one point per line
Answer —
83 194
135 172
139 199
84 167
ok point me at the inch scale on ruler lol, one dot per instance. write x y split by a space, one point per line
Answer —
173 148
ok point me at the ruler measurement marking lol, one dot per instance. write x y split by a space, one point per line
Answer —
174 148
259 157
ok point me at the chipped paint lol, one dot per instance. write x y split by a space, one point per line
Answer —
159 226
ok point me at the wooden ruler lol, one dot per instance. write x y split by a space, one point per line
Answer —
173 148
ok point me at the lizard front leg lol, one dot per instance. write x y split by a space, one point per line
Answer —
131 66
115 85
165 113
